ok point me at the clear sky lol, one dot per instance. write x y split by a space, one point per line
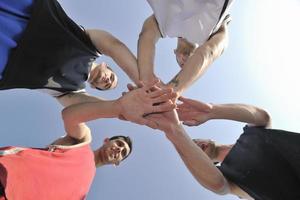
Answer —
259 67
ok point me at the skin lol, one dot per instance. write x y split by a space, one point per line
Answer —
193 61
199 161
132 106
100 76
112 152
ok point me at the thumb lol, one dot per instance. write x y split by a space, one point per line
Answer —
190 123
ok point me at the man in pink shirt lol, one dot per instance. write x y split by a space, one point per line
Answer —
65 169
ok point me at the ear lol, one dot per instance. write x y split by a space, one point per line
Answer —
175 51
106 140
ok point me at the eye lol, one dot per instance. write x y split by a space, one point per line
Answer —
124 153
120 144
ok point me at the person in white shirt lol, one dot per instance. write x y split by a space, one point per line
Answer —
201 29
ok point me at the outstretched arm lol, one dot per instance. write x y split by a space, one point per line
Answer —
148 38
132 107
198 163
109 45
198 63
193 113
77 97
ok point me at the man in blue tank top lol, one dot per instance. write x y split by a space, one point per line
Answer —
42 48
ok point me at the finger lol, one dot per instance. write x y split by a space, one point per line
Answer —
121 117
151 84
131 87
164 107
159 92
163 98
190 123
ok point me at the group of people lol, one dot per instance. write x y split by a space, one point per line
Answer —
263 164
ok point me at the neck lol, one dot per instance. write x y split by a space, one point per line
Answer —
222 151
99 157
93 72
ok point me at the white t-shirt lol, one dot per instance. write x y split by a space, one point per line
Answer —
194 20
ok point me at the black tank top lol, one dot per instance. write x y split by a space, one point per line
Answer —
54 52
265 163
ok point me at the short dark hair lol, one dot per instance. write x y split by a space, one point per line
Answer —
125 139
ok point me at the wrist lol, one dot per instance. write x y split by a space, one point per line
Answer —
118 106
174 131
147 77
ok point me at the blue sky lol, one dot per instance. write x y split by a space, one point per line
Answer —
260 67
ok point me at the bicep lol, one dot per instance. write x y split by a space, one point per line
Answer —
150 29
103 41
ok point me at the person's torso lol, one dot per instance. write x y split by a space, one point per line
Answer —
258 164
47 174
192 20
54 52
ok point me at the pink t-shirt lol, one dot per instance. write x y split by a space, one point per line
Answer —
62 174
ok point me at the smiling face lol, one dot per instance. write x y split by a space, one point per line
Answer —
114 151
102 77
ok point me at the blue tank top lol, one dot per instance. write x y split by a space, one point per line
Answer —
14 16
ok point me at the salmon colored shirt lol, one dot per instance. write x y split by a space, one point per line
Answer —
44 174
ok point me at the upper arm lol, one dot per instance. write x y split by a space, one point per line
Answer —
262 118
150 29
103 41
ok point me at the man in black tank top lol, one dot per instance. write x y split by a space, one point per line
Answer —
56 55
264 164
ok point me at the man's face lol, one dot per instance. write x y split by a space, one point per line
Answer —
183 51
114 151
208 146
104 78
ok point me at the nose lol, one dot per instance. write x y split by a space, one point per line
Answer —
117 151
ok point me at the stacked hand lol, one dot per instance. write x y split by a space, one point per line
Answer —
192 112
146 99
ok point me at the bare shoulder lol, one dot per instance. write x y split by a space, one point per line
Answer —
151 26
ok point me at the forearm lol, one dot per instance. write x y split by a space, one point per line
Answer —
126 60
77 97
197 162
199 62
242 113
74 116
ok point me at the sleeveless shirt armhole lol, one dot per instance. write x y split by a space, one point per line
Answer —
88 39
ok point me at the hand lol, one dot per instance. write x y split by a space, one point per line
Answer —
192 112
165 121
137 103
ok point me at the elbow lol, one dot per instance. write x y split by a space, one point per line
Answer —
264 119
66 116
220 187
